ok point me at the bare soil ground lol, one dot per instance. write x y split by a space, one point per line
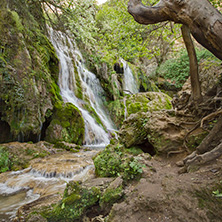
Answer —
164 195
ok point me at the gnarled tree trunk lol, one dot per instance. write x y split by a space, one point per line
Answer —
203 20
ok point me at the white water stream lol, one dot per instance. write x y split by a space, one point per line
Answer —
49 176
72 73
129 82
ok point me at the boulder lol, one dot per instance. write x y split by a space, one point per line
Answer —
147 102
67 125
158 130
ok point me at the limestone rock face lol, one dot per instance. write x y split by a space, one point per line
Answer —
139 102
28 70
158 129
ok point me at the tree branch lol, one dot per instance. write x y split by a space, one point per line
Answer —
147 15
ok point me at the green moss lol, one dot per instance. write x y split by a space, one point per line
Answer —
31 71
134 150
110 196
69 123
78 88
5 162
117 111
75 202
195 140
150 101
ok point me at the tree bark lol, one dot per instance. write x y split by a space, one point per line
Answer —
194 74
203 20
213 138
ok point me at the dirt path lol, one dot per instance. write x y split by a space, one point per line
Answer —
164 195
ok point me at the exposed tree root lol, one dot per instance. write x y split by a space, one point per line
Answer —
175 152
210 116
208 150
198 160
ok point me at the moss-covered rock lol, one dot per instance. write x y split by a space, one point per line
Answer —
147 102
76 200
117 111
112 194
67 125
28 70
140 102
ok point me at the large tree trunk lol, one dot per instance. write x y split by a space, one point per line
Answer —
203 20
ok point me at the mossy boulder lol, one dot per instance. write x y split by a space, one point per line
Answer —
147 102
112 194
67 125
139 102
76 200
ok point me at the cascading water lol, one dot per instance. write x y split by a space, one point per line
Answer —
73 72
44 177
129 82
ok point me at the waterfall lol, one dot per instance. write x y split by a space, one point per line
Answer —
73 74
129 82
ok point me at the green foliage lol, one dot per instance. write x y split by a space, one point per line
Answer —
115 161
176 70
120 36
81 21
5 162
217 193
216 4
134 151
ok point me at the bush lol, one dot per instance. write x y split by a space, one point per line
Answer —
5 162
116 161
177 69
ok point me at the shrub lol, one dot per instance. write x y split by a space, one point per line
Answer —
5 162
116 161
177 69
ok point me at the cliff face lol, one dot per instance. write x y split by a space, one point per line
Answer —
29 71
